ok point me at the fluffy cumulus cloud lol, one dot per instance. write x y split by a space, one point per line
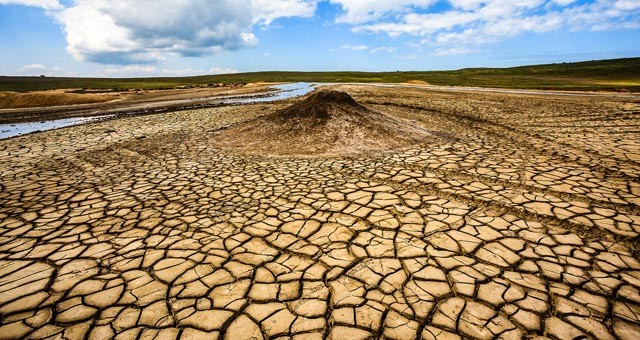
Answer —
147 31
123 31
46 4
468 23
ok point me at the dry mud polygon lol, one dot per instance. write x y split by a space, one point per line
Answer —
520 218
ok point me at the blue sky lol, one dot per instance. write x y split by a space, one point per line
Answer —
115 38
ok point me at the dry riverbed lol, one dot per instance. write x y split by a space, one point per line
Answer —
60 104
518 216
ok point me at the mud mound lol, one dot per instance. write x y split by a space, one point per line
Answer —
326 123
321 105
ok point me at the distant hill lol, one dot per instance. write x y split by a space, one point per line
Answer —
609 75
628 68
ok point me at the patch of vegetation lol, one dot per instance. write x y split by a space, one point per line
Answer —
600 75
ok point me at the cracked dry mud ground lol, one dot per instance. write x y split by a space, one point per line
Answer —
520 219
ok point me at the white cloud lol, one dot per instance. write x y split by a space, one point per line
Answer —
46 4
372 50
150 70
604 15
386 49
362 11
266 11
628 5
452 51
419 24
355 47
466 4
122 31
476 22
37 69
563 2
222 70
146 31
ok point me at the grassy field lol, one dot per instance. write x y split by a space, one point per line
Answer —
601 75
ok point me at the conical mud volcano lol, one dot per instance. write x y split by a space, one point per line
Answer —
326 123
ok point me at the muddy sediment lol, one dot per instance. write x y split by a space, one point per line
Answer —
519 218
328 122
123 103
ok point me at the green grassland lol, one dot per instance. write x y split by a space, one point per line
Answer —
600 75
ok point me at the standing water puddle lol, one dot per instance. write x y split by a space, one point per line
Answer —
283 91
17 129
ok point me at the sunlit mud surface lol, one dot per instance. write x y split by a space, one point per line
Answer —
519 216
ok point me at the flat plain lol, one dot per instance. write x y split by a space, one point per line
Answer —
516 215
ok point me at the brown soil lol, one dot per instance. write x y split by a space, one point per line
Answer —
326 123
12 100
